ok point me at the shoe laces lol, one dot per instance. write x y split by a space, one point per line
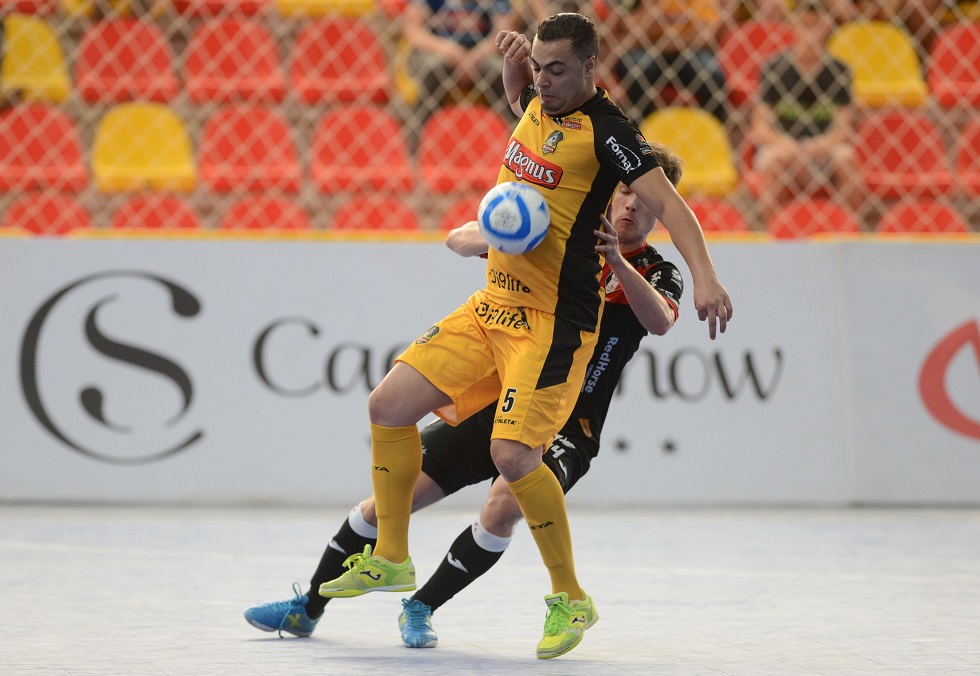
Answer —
557 618
298 601
416 613
354 562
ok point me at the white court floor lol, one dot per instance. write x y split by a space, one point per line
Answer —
161 591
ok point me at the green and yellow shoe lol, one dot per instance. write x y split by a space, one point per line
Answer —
565 624
366 573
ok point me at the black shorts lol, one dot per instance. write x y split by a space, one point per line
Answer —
456 457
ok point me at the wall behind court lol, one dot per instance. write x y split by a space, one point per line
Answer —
223 372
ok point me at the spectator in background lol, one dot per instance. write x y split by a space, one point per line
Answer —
453 49
802 124
661 43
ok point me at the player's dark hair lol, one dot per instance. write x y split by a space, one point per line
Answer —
570 26
672 165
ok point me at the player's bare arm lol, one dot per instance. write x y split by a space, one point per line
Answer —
650 307
710 298
466 240
516 48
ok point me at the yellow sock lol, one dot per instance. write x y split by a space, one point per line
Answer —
396 459
543 503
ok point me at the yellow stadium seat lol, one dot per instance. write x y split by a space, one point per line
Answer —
883 63
142 146
312 8
702 142
33 63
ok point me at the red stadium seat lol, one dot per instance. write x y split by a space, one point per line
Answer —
901 153
745 49
40 7
265 213
125 60
157 211
954 76
461 148
206 8
459 213
718 215
339 59
43 214
248 148
968 159
922 215
375 213
807 217
359 148
40 148
233 59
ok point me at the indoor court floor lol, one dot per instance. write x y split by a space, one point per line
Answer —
684 592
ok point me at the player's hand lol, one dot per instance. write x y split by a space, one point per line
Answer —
514 46
608 244
713 305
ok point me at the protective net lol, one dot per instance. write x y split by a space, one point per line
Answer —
286 115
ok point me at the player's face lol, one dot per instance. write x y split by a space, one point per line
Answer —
563 81
630 217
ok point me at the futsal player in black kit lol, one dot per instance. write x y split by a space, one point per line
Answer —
642 296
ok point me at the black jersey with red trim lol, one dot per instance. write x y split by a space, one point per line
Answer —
620 333
576 161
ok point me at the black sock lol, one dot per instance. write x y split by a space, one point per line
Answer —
343 544
471 561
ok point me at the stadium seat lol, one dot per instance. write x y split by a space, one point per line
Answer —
142 146
923 215
157 211
359 148
459 213
883 63
265 213
339 59
40 148
124 60
461 148
701 140
968 159
954 73
209 8
44 214
371 212
39 7
901 153
745 49
316 8
718 215
248 148
33 61
233 59
81 9
806 217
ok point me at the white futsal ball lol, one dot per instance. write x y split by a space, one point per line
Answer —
513 218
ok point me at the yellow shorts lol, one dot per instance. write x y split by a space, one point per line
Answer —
528 361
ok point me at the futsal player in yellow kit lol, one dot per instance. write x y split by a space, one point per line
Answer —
525 339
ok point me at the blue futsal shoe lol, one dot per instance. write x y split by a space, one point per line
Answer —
415 623
289 616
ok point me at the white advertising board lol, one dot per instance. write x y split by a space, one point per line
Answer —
238 371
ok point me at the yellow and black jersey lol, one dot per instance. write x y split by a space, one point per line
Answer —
576 161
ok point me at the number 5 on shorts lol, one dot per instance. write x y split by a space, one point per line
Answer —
508 400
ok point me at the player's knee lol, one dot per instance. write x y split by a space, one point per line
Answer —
500 514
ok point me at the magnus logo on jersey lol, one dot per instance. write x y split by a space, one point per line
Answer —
528 166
